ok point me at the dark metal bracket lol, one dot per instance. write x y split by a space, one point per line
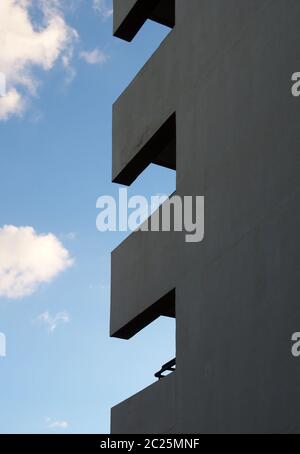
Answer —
168 367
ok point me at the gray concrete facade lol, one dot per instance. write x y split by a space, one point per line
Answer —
214 102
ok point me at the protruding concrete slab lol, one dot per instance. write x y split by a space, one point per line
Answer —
130 15
144 124
150 411
160 150
142 282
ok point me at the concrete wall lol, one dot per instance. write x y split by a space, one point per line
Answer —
225 69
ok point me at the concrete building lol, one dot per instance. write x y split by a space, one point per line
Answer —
214 102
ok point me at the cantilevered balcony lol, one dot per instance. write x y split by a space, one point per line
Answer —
150 411
130 15
144 120
143 280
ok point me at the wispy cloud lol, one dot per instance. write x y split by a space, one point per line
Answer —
52 322
26 45
94 57
28 259
56 424
103 7
71 236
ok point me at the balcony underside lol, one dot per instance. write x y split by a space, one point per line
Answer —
130 15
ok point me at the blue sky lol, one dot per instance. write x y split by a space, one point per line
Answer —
55 163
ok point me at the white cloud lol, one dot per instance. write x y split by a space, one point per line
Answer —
53 321
26 45
57 424
103 8
11 104
28 259
94 57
